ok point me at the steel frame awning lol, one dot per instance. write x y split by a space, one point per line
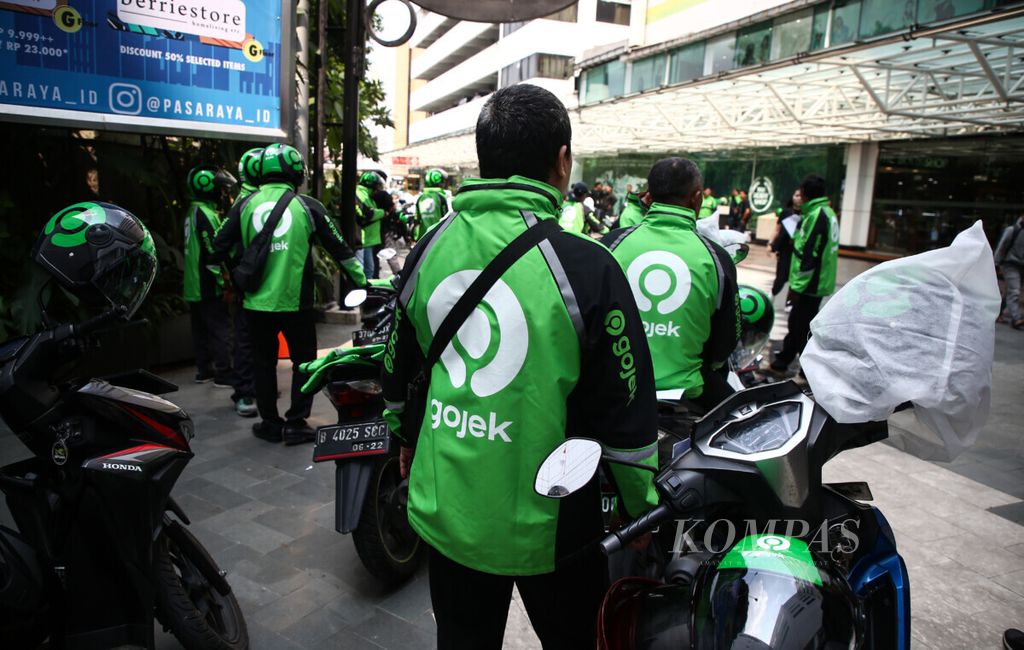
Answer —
967 79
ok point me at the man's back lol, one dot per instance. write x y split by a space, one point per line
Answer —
530 367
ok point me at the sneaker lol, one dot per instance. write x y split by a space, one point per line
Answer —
222 383
269 431
246 407
203 377
1013 639
298 433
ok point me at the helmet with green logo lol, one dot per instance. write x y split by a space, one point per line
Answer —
282 162
757 315
249 166
205 182
435 178
371 179
101 253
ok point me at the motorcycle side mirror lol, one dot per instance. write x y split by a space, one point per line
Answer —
738 252
568 468
355 298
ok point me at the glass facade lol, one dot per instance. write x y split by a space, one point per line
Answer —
548 66
792 34
648 73
686 63
753 45
719 54
604 81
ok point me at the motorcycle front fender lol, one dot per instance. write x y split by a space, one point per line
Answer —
351 480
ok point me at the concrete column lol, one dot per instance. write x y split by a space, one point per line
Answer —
858 194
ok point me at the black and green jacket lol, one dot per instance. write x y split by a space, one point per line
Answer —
203 279
431 206
556 349
812 270
634 211
288 275
685 289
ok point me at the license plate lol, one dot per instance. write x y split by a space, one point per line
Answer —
361 338
353 440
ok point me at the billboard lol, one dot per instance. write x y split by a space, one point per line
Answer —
220 68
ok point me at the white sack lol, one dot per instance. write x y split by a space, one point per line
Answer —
918 329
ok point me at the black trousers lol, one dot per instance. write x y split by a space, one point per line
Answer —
781 271
805 308
211 338
299 329
471 607
241 354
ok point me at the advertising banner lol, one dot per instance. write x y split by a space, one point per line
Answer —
221 68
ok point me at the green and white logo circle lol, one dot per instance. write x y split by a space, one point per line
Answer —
662 277
773 543
262 212
490 348
762 194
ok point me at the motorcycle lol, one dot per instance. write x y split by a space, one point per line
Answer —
101 546
371 495
753 462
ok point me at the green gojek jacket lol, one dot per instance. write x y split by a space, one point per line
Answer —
288 275
431 206
633 213
812 270
570 217
245 190
556 349
708 206
685 289
203 278
368 215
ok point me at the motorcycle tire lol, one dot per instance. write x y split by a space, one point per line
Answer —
386 544
198 615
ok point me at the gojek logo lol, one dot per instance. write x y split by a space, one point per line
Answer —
662 277
259 219
486 354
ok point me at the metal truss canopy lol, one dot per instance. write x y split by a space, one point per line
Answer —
963 81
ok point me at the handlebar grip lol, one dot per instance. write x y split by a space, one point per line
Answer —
96 322
634 529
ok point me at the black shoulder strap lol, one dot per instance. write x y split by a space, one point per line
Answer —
483 283
718 268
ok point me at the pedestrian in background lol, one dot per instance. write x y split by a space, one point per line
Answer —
369 216
1009 257
782 243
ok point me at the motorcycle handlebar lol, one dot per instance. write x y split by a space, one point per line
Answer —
634 529
97 322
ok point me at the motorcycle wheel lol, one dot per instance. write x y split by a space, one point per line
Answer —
387 545
188 604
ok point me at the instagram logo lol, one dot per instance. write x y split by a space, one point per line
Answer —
125 99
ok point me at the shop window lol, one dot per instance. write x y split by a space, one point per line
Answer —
929 11
886 16
648 73
686 63
615 12
791 34
604 81
845 19
719 54
819 30
753 45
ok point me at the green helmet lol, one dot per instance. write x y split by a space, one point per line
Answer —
371 179
205 181
435 178
757 315
249 166
282 162
100 252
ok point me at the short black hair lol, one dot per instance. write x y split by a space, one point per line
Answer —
812 187
520 131
674 180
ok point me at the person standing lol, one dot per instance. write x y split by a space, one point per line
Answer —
369 216
743 211
1009 257
812 271
634 211
432 203
575 211
782 243
283 302
203 278
684 286
542 358
708 204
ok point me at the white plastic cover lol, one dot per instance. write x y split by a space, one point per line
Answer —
918 329
708 226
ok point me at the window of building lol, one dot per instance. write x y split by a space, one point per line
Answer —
753 45
791 34
648 73
819 31
567 15
845 19
929 11
604 81
686 63
886 16
548 66
613 11
719 54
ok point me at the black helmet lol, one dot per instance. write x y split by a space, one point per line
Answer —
205 181
757 315
580 189
282 162
249 166
371 179
101 253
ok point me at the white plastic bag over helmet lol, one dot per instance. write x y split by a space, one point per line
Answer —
918 329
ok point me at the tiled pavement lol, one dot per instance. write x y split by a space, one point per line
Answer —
266 515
